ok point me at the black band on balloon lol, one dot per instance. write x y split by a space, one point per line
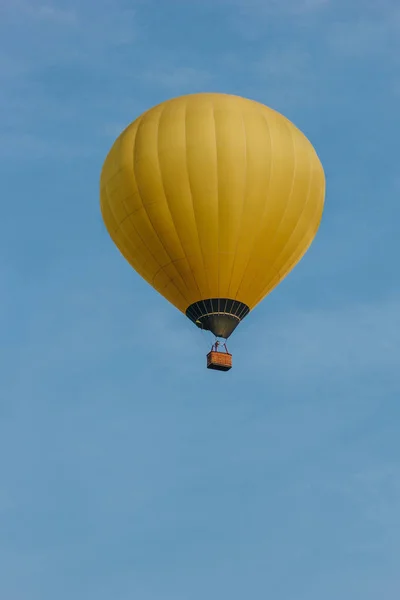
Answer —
218 315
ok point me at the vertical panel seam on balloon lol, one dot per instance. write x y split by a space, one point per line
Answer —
133 212
126 245
299 220
110 206
243 201
256 236
144 208
169 208
295 227
133 224
292 264
129 248
151 223
288 199
218 203
278 279
192 200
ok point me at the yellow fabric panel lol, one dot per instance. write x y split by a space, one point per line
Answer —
211 195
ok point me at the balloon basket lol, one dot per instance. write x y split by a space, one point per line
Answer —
219 361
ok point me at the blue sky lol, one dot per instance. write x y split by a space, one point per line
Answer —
127 469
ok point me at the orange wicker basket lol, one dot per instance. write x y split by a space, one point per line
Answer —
219 361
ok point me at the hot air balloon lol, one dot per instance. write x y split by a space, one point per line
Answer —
212 199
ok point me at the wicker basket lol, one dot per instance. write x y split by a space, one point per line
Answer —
219 361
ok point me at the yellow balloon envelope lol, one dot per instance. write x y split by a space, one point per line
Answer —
212 199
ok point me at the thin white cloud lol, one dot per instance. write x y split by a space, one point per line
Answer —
55 15
112 130
179 78
37 11
65 54
336 344
11 67
374 33
283 78
94 318
268 7
249 17
22 146
373 488
287 75
287 63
